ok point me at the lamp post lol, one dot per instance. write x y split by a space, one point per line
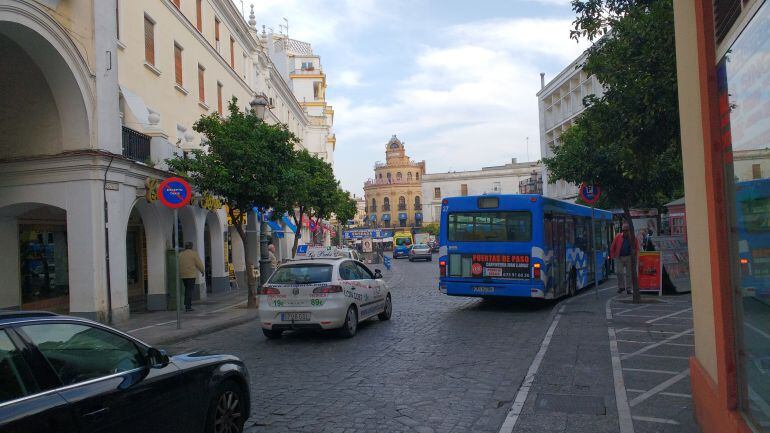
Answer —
259 105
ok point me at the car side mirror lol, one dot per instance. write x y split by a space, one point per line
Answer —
157 358
377 274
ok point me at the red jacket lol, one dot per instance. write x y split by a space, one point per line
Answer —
617 244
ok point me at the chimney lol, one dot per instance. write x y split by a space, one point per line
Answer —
542 80
513 160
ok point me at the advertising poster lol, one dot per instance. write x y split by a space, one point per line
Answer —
511 266
367 245
650 272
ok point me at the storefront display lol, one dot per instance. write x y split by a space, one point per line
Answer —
44 267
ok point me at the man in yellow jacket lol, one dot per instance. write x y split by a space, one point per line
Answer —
189 266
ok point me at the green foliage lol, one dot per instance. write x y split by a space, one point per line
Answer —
628 139
345 208
596 17
431 228
243 164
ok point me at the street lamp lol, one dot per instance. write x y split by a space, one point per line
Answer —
259 106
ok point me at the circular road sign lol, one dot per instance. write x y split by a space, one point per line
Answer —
590 193
174 192
477 269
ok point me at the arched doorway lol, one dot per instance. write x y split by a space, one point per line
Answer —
136 262
35 260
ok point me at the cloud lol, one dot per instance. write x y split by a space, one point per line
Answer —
349 78
468 102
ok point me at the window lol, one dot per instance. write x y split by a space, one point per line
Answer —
349 271
201 86
199 15
178 64
365 273
216 34
398 176
386 204
232 53
176 3
463 189
149 40
307 66
16 379
402 203
436 192
496 187
219 98
756 171
117 19
388 176
416 200
78 353
302 274
409 176
417 176
513 226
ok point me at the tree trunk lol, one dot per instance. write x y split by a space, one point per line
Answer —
298 233
637 297
251 282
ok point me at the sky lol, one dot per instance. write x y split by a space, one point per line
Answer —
455 80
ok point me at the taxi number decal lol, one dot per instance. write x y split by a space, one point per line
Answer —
353 295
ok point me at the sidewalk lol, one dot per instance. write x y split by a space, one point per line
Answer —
607 365
215 313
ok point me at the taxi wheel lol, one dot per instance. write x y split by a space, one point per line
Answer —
350 326
385 315
272 334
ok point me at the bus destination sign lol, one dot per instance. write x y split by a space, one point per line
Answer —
511 266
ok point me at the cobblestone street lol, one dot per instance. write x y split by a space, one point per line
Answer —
441 364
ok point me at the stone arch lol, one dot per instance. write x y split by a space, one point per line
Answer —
155 247
217 278
46 100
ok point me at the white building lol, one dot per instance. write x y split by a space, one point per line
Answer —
95 96
560 102
502 179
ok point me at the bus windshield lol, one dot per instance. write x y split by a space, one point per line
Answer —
515 226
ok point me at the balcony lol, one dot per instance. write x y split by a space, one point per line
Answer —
386 208
532 185
379 182
417 206
402 206
136 146
372 209
380 164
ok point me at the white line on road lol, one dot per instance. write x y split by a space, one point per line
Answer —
660 387
644 330
228 307
529 379
757 330
660 343
657 420
151 326
625 422
658 356
646 370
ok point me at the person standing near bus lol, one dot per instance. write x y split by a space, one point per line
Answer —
620 250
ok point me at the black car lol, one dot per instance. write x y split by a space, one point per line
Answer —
70 375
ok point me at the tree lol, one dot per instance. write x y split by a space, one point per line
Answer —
628 139
345 208
309 188
431 228
243 166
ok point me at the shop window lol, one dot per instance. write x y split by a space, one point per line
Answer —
743 101
44 266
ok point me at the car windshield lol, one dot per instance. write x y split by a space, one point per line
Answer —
302 274
420 246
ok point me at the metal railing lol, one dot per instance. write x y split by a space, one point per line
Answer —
386 208
417 206
401 206
136 146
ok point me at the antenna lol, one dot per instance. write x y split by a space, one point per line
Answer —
287 27
527 149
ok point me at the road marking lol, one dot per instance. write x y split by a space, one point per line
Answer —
644 330
646 370
625 422
660 343
658 356
529 379
761 403
670 394
757 330
151 326
227 308
660 387
657 420
174 321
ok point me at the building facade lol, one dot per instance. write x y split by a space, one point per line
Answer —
560 102
723 71
502 179
103 93
394 195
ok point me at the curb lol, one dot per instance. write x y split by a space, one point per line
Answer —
197 332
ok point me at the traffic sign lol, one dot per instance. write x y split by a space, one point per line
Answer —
174 192
590 193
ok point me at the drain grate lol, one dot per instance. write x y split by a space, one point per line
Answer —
570 403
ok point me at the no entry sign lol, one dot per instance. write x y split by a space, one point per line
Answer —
590 193
174 192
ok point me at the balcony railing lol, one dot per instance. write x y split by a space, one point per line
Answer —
386 208
401 206
372 208
417 206
380 164
375 182
136 146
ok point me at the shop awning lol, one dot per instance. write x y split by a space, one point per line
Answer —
386 217
402 216
289 224
373 217
418 215
277 229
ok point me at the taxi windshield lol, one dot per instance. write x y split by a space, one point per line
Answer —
302 274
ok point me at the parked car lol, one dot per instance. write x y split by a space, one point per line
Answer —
66 375
420 252
329 293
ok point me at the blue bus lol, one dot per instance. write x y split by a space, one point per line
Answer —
752 199
521 245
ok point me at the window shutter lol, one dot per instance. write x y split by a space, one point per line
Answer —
726 12
232 53
216 29
199 15
201 88
149 41
176 3
219 98
178 64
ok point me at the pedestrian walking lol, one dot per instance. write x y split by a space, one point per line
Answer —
189 267
620 251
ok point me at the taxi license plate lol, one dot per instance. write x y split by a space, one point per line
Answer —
483 289
297 317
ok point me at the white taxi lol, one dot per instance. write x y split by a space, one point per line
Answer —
328 293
